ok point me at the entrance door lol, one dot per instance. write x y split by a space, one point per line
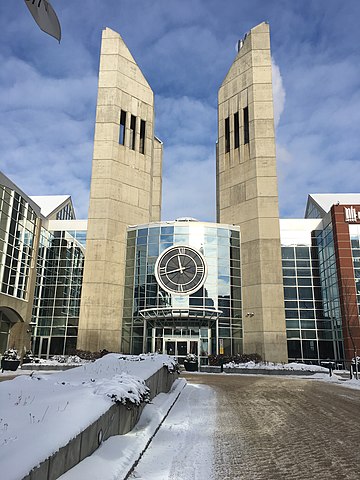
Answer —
41 347
170 347
180 347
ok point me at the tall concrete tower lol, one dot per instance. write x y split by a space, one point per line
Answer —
247 191
125 189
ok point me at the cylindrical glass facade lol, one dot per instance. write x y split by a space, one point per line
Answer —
208 321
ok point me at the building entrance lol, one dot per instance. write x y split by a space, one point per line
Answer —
180 347
179 342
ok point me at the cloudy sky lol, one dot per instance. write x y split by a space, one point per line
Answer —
184 48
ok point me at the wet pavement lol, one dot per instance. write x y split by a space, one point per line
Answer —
275 428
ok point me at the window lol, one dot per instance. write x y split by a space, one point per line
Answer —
132 131
122 127
246 125
236 130
227 135
142 136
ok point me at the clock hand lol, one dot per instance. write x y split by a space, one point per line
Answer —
178 270
181 268
174 271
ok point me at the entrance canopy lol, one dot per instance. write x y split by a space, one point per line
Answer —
179 317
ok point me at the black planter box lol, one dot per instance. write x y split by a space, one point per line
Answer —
190 366
9 364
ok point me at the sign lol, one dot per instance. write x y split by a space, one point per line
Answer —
351 215
221 346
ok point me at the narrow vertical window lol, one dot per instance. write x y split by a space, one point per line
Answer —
142 136
246 125
236 130
227 135
122 127
132 131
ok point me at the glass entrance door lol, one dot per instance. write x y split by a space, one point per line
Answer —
41 347
180 347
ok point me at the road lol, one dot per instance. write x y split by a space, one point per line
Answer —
257 427
276 428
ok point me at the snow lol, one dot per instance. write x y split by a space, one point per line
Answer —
277 366
182 449
61 405
42 412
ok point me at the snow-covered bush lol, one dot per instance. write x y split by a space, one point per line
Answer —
191 358
240 358
11 354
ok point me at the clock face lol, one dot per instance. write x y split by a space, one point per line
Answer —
180 270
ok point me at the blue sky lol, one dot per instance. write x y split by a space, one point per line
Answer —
184 48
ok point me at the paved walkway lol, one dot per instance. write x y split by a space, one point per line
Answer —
275 428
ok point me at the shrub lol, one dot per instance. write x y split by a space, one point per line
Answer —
239 358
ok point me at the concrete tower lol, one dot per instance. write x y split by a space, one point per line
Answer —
247 191
125 189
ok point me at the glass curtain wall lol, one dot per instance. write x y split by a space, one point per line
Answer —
57 294
17 231
310 332
332 346
222 290
355 250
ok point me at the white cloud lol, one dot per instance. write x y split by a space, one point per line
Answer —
278 92
46 131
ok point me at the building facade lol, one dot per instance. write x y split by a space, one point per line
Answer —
183 289
125 281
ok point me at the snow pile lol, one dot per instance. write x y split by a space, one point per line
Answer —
63 359
59 406
278 366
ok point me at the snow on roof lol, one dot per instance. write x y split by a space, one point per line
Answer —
327 200
49 203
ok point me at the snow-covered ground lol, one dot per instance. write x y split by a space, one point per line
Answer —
181 450
41 413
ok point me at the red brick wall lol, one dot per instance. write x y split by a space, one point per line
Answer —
347 290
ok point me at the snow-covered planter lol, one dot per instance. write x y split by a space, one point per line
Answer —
29 357
10 360
103 398
270 367
191 363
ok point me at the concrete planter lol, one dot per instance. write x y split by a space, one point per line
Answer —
118 420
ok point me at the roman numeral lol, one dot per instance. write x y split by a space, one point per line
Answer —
180 288
162 270
182 251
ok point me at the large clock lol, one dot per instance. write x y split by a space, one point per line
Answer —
181 270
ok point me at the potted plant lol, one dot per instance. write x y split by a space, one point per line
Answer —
191 363
30 358
10 360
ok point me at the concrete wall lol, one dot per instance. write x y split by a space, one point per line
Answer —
118 420
247 192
